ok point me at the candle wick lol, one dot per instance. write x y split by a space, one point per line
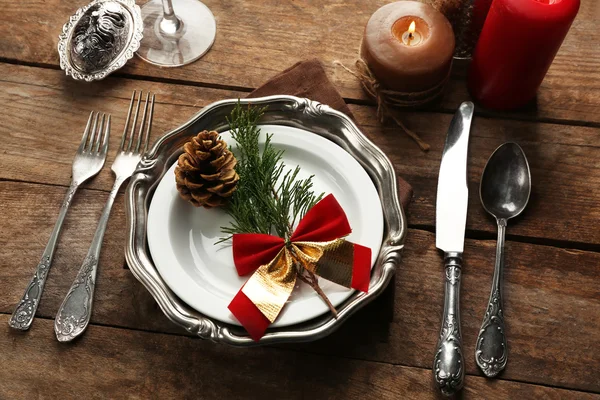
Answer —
410 36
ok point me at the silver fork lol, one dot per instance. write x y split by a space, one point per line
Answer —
88 161
74 314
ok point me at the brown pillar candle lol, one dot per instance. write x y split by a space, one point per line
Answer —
408 46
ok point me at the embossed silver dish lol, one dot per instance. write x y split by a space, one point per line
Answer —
100 38
281 110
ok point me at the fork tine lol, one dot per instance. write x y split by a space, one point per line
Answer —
127 122
99 134
149 126
135 116
90 145
106 135
141 131
84 138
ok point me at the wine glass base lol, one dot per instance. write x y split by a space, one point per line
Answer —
180 40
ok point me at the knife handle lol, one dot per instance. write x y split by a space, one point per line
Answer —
448 364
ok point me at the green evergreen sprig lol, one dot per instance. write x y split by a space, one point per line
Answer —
267 200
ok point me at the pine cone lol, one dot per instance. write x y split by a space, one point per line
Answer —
205 173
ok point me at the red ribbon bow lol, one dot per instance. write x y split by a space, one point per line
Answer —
317 244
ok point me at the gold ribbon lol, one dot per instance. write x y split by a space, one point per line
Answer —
271 284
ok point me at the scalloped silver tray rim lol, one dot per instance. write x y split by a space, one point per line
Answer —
282 110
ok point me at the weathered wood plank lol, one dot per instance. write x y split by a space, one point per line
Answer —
564 159
564 162
124 364
551 304
256 39
46 118
552 296
118 295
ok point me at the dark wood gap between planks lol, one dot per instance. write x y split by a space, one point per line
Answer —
479 113
484 113
83 186
499 377
304 351
171 81
92 95
483 235
28 64
115 327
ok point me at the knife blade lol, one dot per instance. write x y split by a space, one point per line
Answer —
451 217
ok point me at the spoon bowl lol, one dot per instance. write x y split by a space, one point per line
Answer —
506 182
504 192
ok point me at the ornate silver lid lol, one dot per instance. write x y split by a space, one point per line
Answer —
100 38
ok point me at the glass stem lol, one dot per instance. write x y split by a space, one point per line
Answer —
170 24
168 8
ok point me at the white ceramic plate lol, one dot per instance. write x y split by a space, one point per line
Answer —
182 238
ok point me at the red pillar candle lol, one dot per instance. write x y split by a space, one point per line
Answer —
480 12
517 45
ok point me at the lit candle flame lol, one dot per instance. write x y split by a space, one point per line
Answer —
411 35
411 29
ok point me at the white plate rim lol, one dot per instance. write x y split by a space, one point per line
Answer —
290 315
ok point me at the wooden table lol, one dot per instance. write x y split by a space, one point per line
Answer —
384 352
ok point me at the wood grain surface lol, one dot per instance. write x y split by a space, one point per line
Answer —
550 293
385 351
256 39
140 365
564 159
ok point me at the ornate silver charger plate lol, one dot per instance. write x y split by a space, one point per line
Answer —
100 38
291 111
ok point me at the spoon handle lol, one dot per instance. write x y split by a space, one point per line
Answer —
491 348
448 363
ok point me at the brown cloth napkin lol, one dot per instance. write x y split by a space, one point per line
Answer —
308 79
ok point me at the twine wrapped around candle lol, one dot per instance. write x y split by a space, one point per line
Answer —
387 99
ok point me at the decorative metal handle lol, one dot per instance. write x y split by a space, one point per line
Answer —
491 348
75 311
448 363
24 313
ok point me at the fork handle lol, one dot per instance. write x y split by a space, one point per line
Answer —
75 311
24 313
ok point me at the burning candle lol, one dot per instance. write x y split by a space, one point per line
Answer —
515 50
408 46
411 37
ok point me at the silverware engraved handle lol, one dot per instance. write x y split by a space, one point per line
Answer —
491 348
448 364
74 314
24 313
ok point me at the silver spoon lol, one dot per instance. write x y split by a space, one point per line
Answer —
504 192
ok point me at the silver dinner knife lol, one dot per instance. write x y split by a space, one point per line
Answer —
450 221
